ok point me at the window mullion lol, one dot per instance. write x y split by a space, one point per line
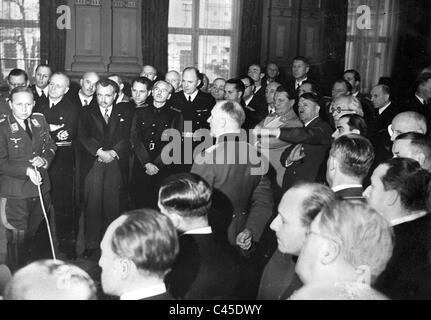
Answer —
195 33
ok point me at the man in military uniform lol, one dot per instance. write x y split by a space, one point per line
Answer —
40 87
195 106
149 124
62 117
15 78
141 91
26 150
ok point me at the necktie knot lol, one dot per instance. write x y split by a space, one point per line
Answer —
190 98
85 102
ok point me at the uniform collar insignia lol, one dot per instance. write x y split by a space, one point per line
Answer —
35 122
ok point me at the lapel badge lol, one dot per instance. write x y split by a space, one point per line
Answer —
35 123
14 127
15 140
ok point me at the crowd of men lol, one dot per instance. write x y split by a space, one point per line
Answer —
180 187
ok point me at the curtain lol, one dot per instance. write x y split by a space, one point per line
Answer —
52 39
250 34
412 52
371 50
155 15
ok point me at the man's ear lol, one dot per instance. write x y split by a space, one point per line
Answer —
125 268
67 90
420 157
121 87
307 69
330 252
262 74
391 197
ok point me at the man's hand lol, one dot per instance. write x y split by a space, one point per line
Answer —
297 153
34 176
151 169
39 162
55 127
105 156
244 239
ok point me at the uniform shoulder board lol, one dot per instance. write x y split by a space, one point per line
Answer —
2 120
175 109
38 114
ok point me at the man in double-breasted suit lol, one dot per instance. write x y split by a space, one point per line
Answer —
104 132
62 117
25 144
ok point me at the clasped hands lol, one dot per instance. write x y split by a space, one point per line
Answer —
106 156
244 239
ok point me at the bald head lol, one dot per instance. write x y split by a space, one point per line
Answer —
346 105
150 72
50 280
408 122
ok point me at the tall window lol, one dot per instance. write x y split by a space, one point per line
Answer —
371 50
19 36
204 33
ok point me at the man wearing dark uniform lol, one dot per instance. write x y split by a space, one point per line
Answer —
40 87
15 78
62 117
148 126
195 106
25 144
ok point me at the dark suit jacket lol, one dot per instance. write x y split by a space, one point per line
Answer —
63 113
350 194
257 108
407 273
38 99
316 140
242 194
198 112
94 133
205 269
279 279
415 105
4 104
16 149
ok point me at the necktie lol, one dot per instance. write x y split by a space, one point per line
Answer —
106 116
190 99
27 128
85 103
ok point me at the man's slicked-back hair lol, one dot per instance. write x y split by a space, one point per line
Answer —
409 180
17 73
346 83
355 73
196 70
303 59
419 143
239 85
355 155
145 81
186 194
108 82
319 196
19 90
281 89
147 238
43 65
365 237
64 75
355 121
234 111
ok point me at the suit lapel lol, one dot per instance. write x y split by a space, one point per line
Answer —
113 120
98 117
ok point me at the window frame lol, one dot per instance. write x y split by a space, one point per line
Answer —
195 32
